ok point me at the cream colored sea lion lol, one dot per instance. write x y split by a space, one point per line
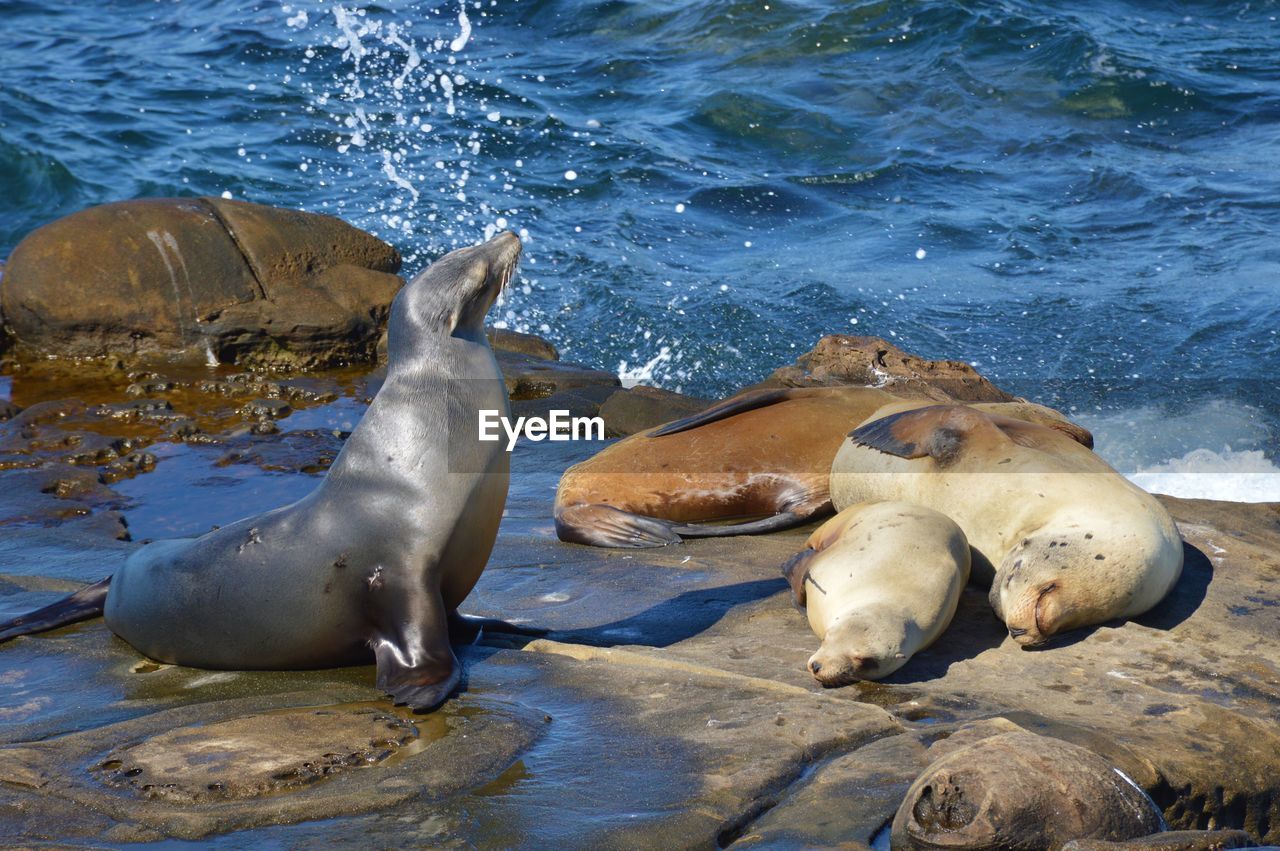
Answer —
372 564
761 458
879 581
1063 538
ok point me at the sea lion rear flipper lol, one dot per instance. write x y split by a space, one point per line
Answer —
82 605
605 526
747 401
773 523
416 665
1034 435
936 431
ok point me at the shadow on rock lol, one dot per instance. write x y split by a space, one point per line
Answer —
675 619
974 630
1187 594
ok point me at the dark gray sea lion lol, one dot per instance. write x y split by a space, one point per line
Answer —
375 561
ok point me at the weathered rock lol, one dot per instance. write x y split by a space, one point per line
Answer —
582 401
638 408
207 277
517 342
873 362
1173 840
649 647
226 765
1021 791
534 378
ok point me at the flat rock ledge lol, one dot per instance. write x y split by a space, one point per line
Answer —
668 706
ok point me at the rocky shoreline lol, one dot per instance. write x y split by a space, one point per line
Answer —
669 704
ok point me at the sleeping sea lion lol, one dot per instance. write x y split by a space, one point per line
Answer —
760 459
880 581
1064 540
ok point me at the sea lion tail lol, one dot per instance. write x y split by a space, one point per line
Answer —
86 603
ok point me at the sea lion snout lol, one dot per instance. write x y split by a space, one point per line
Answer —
834 670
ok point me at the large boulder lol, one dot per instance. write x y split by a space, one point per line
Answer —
210 278
873 362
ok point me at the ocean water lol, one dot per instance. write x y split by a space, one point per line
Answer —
1083 203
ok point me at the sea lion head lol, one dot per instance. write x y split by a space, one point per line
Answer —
1055 581
859 646
454 293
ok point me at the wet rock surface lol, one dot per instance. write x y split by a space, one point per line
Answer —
208 278
668 706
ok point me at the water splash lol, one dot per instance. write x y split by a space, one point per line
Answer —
411 123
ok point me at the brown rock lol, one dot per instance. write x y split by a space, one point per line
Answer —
1021 791
532 378
873 362
638 408
293 246
516 342
207 278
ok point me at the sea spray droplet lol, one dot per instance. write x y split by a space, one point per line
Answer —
920 253
570 175
465 23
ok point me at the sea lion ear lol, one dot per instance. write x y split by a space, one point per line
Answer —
936 431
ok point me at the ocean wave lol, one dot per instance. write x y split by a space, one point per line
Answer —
1246 476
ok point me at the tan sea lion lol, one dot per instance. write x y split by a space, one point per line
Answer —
372 564
1020 790
1064 539
761 458
879 582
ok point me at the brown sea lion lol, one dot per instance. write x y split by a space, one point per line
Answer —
1063 539
761 459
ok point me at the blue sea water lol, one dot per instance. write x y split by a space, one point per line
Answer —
1080 199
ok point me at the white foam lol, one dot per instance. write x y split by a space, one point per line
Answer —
1246 476
1216 449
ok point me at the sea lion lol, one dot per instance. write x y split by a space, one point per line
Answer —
879 582
374 562
762 457
1021 790
1064 540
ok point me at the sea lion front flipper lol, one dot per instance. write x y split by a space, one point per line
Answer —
796 570
82 605
605 526
748 401
936 431
416 665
